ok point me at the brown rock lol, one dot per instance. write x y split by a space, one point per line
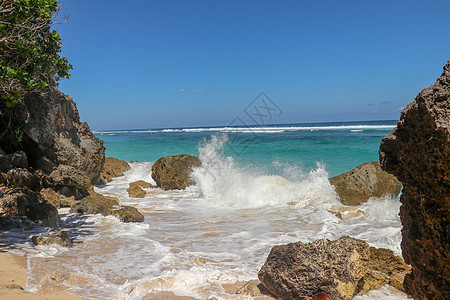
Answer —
417 152
128 214
54 135
69 181
114 167
253 288
97 204
56 237
56 199
135 189
24 202
299 271
365 181
13 160
19 177
173 172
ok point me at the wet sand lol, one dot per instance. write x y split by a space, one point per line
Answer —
13 276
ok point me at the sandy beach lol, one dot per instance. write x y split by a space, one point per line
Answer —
13 277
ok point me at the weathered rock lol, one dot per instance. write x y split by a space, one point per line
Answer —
54 237
135 189
19 177
13 160
69 181
20 223
99 204
24 202
128 214
383 268
253 288
114 167
173 172
56 199
95 204
299 271
365 181
53 134
417 152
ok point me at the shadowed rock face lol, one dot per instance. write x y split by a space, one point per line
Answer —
54 135
173 172
417 152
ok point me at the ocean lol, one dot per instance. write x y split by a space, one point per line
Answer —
257 187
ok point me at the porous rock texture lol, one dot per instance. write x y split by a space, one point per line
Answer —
114 167
417 152
173 172
363 182
54 135
60 238
25 202
342 269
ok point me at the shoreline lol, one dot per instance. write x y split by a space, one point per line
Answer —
13 277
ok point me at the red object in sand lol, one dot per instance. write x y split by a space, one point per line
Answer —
321 296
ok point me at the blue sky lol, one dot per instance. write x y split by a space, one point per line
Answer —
174 63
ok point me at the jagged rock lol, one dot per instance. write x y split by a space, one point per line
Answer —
298 270
365 181
13 160
56 199
253 288
19 177
56 237
383 268
341 269
114 167
95 204
70 182
173 172
24 202
53 134
417 152
128 214
135 189
15 223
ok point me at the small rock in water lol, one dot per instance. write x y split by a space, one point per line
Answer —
57 237
128 214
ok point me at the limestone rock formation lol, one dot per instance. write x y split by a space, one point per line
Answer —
128 214
15 222
69 181
135 189
114 167
20 177
13 160
342 269
54 135
365 181
99 204
173 172
24 202
417 152
61 238
56 199
253 288
95 204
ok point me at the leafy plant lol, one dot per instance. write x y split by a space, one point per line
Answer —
29 49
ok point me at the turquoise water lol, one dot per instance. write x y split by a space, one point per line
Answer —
339 146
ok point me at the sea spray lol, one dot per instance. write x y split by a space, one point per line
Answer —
222 181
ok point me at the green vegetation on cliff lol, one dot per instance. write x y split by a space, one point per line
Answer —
29 56
29 48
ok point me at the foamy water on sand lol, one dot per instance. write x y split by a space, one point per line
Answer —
205 241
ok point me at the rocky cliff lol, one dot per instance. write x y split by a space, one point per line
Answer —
54 135
417 152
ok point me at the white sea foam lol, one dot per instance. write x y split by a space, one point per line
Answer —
220 180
